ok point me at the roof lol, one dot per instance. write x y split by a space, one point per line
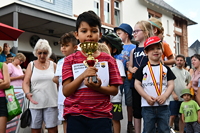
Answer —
164 5
196 44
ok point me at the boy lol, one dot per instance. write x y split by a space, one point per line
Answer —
87 104
68 44
190 111
114 44
124 31
154 82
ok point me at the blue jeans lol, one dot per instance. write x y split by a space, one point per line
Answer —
82 124
127 92
156 114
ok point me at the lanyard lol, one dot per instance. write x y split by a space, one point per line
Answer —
158 90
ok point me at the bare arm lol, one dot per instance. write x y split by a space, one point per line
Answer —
130 63
26 83
6 81
170 60
182 117
16 78
55 79
198 116
138 86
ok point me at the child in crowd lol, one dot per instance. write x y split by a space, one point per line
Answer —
154 82
87 104
190 111
124 31
142 30
68 44
159 31
114 44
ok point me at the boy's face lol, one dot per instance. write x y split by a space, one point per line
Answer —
88 34
187 97
154 52
121 34
68 49
9 59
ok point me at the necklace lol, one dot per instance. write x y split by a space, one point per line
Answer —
139 64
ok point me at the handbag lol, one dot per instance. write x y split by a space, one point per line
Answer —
13 105
26 115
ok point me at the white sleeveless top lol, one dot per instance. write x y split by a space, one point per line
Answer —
44 90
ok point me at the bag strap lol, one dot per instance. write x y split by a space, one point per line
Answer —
1 65
30 81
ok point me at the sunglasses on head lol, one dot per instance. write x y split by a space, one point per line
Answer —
44 53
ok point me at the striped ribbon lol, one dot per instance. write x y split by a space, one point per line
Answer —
158 90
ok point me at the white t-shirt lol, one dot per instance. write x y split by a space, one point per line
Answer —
58 73
118 97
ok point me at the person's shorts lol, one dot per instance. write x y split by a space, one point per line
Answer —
48 115
3 107
117 111
60 112
127 92
174 107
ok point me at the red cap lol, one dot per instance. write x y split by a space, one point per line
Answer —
151 40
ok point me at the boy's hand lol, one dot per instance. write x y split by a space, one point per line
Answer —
150 100
161 99
91 84
89 72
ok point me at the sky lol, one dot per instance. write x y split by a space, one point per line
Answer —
190 8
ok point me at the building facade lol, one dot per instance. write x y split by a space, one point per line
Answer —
49 19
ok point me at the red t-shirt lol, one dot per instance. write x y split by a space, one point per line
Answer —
86 101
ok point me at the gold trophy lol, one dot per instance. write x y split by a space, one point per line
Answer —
89 48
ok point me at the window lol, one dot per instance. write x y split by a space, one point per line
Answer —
177 45
96 7
155 14
107 11
168 27
117 13
50 1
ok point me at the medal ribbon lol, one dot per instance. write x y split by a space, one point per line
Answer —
158 90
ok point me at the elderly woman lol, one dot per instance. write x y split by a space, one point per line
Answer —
15 70
4 84
43 93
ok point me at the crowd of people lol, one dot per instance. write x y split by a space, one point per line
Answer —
156 85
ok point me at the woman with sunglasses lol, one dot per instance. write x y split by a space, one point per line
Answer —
15 70
43 93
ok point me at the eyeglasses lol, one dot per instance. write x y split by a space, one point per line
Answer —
44 53
136 31
21 60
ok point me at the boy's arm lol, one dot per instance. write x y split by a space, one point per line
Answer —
140 90
170 87
182 117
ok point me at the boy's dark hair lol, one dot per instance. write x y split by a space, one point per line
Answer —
89 17
196 56
9 55
68 38
181 56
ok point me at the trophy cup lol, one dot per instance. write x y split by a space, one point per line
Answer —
89 48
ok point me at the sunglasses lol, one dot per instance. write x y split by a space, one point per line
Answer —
44 53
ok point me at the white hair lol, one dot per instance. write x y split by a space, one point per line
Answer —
42 44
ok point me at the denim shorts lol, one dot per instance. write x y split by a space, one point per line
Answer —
174 107
82 124
3 107
156 114
47 115
127 92
192 127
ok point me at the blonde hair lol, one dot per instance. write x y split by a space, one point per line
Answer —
20 56
42 44
103 48
147 27
156 23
